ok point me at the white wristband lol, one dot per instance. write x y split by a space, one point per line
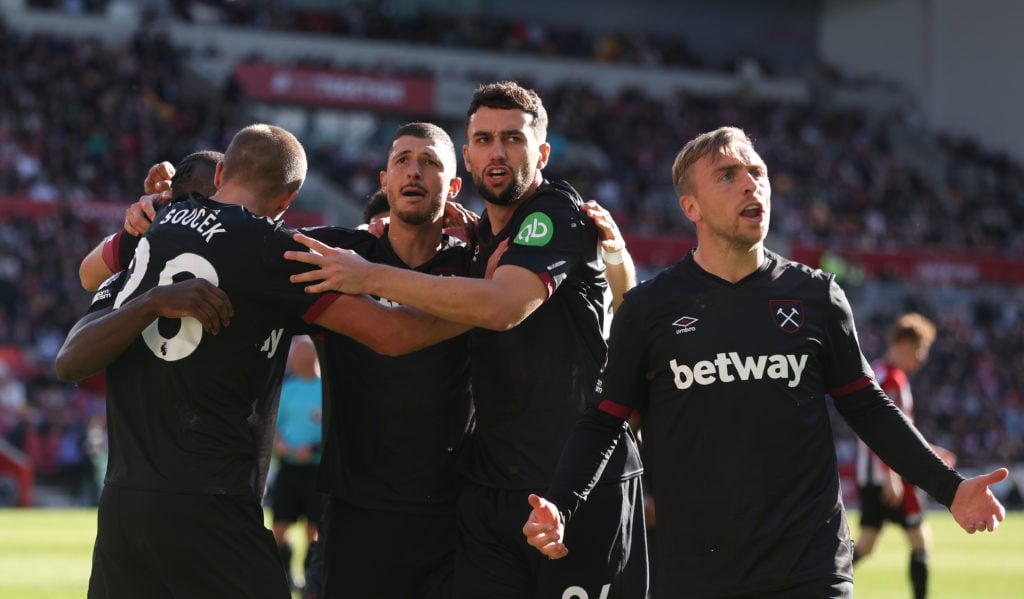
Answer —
611 257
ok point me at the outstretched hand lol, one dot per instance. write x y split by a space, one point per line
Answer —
974 506
544 529
339 270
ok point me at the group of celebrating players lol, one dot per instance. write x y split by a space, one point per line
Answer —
477 410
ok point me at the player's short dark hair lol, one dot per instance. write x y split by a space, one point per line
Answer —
268 158
194 173
376 204
712 142
509 95
430 131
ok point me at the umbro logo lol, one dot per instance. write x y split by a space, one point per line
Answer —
685 325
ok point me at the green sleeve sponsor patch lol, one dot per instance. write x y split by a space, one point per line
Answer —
536 230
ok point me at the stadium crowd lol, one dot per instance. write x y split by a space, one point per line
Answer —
969 395
81 122
379 21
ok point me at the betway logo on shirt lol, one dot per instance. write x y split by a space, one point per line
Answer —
728 367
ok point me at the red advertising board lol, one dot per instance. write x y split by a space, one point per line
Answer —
326 87
917 266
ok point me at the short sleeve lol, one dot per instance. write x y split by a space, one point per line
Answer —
276 287
553 238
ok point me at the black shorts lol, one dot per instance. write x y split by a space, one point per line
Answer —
874 513
162 545
606 540
386 555
830 588
293 494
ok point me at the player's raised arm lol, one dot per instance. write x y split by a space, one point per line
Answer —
99 337
619 267
195 175
94 268
102 262
387 330
498 304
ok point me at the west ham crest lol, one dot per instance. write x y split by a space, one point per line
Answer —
788 314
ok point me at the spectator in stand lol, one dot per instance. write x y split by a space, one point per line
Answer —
838 169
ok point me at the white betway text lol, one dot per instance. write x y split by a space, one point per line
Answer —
726 368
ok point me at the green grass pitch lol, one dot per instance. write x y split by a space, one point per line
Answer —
45 554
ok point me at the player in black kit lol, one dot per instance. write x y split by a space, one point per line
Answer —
397 424
728 356
193 174
394 425
191 415
535 356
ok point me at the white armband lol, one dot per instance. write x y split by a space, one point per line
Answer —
611 257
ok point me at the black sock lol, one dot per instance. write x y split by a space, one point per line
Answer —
310 550
919 573
285 551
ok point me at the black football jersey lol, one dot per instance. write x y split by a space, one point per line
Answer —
396 424
532 382
730 381
189 411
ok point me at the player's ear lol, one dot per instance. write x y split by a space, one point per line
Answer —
545 153
454 187
690 207
218 174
